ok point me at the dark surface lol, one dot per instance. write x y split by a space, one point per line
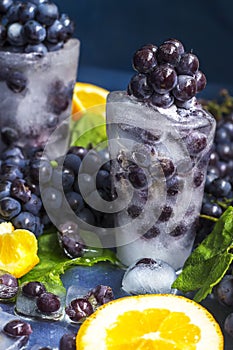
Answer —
110 31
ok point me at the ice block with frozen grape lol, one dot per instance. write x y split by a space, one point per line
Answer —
159 141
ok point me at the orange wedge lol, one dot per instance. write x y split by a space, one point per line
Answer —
18 250
88 96
150 322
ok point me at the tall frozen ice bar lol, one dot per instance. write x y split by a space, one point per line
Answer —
159 161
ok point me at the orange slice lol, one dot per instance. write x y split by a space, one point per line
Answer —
150 322
88 96
18 250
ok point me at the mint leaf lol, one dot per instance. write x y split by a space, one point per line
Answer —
90 129
53 262
209 262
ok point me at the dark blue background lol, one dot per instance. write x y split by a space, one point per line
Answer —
111 30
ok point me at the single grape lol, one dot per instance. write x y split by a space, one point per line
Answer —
68 25
56 32
168 52
81 152
177 43
79 309
8 285
144 60
73 162
48 303
34 205
228 324
67 342
224 290
9 208
5 189
139 87
162 100
188 64
201 80
16 81
72 247
103 294
5 5
75 201
211 209
26 220
12 12
26 12
34 32
33 289
20 190
185 88
163 78
47 13
137 177
38 48
17 328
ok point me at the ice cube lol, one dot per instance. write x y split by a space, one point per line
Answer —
148 276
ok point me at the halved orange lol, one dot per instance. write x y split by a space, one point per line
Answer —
18 250
88 96
150 322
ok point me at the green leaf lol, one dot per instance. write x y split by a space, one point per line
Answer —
209 262
53 262
90 129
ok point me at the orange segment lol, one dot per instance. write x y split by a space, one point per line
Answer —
18 250
150 322
86 96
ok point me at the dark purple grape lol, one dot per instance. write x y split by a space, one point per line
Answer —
26 12
225 150
48 303
58 99
67 342
137 177
5 5
17 328
151 233
56 32
75 201
8 135
224 290
139 87
134 210
20 190
34 32
33 289
68 25
144 60
8 286
196 142
177 43
198 178
84 184
201 80
228 324
72 247
79 151
28 221
12 12
73 162
151 47
47 13
168 52
87 216
34 205
220 188
16 81
165 213
188 64
67 179
9 208
91 163
103 294
185 88
162 100
103 180
167 166
211 209
54 47
163 78
79 309
179 230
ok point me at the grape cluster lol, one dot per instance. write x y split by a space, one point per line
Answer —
33 26
23 175
166 75
219 181
81 308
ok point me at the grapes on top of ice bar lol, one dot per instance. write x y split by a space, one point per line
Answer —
166 75
33 26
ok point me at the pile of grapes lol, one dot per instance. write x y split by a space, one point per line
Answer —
165 75
33 26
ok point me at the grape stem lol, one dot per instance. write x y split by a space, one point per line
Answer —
208 217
